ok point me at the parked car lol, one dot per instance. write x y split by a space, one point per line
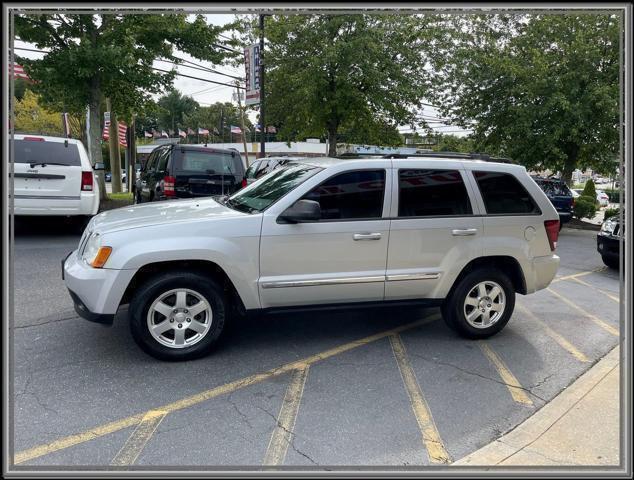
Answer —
262 166
186 171
464 235
562 198
108 177
602 198
609 240
53 176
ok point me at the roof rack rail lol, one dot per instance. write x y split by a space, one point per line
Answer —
457 155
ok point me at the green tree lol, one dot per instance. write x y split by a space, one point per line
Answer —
589 190
453 143
31 117
173 109
329 73
109 55
541 89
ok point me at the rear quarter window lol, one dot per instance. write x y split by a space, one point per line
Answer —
31 151
503 194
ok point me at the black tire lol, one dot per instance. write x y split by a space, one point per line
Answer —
453 308
611 262
212 292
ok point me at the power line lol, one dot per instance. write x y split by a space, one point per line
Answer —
198 78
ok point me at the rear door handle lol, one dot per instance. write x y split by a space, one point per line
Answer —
366 236
463 232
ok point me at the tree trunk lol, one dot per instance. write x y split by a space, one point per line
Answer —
570 165
95 134
332 140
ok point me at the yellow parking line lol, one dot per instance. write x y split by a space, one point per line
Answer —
115 426
281 437
595 319
616 299
431 438
580 274
563 343
136 442
512 383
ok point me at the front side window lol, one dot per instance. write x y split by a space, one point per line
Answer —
260 195
424 193
503 194
351 195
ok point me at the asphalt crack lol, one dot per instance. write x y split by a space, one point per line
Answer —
468 372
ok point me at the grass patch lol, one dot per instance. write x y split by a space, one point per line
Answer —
120 196
116 200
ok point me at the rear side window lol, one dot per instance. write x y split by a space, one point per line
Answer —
351 195
554 189
210 162
162 159
503 194
432 193
32 151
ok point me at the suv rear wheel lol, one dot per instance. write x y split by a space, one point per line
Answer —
178 316
481 304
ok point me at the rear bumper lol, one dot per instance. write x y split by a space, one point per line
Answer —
564 217
84 204
544 271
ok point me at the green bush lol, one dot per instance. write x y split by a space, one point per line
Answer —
613 195
610 212
585 207
589 190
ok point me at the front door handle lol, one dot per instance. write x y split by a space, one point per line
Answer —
366 236
463 232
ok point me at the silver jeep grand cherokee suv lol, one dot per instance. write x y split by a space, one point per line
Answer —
462 234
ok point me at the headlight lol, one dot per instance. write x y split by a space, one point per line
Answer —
608 226
94 253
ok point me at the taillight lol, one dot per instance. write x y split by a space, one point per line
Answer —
552 232
86 181
168 186
244 182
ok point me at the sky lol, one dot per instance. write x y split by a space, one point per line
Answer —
206 93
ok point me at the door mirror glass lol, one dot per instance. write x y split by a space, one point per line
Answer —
301 211
99 166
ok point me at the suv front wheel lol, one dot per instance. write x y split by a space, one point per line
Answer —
178 316
481 304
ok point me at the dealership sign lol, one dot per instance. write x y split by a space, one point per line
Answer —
252 70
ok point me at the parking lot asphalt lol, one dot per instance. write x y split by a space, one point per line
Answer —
381 387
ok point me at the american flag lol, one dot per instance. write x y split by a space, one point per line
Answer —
164 134
123 128
203 131
18 72
147 135
257 127
271 129
216 132
190 131
235 129
182 133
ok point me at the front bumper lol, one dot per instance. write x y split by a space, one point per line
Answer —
608 246
96 292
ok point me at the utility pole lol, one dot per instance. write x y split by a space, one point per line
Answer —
262 122
115 157
244 134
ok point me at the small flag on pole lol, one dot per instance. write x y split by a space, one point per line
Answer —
147 135
257 127
271 129
190 131
235 129
182 133
203 131
164 134
216 132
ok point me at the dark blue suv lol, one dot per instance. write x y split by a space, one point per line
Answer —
559 195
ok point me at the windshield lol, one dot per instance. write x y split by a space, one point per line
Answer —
267 190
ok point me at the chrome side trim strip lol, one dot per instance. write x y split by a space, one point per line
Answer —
47 197
325 281
412 276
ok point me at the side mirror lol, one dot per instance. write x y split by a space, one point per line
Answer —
99 166
300 212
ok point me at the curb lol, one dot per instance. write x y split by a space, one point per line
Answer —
535 426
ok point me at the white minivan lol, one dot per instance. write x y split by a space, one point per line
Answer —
53 176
